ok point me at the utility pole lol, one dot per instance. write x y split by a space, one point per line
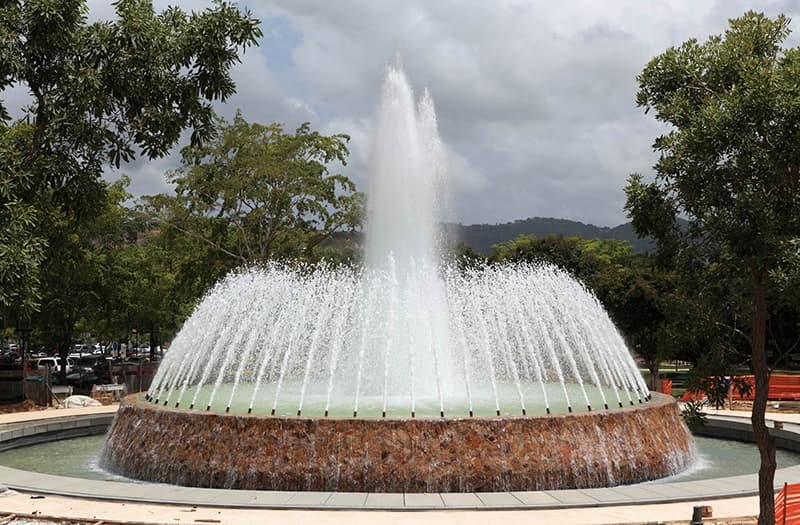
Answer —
26 348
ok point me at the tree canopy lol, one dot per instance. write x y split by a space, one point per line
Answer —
636 295
255 192
100 93
730 164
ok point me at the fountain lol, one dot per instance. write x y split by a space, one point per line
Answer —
406 376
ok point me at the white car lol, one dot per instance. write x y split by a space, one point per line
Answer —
55 363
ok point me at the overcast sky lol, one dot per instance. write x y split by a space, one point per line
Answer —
535 99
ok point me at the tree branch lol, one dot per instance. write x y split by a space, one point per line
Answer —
735 330
201 238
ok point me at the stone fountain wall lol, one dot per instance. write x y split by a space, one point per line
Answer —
591 449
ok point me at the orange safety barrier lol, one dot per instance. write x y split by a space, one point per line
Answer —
692 395
787 505
749 379
781 388
666 386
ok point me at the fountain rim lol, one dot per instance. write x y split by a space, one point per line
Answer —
151 493
652 399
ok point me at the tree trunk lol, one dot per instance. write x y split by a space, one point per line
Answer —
653 366
65 344
63 350
765 442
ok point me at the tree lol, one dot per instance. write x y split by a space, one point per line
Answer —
254 192
730 164
75 273
568 253
154 280
21 251
109 274
100 93
633 293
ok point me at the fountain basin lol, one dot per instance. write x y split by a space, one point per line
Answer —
590 449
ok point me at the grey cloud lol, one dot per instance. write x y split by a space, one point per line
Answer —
535 100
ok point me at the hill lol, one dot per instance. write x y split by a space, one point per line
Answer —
481 237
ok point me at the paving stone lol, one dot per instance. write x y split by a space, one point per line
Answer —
610 495
423 501
309 498
461 499
273 497
535 498
499 499
347 499
667 490
389 500
572 497
690 489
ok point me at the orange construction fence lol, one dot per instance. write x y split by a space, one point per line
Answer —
666 386
781 388
787 505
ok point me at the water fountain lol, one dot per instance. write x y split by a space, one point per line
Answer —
406 376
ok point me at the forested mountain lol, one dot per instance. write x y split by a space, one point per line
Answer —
481 237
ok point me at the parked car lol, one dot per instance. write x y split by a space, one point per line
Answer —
52 362
9 360
55 363
89 370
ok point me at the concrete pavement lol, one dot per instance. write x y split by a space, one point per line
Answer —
743 509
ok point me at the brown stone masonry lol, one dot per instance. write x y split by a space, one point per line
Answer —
591 449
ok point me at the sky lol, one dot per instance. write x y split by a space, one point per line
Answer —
535 100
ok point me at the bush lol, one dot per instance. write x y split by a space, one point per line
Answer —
693 414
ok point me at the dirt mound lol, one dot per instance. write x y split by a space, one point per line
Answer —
24 406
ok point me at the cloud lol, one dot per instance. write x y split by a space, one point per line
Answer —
535 100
